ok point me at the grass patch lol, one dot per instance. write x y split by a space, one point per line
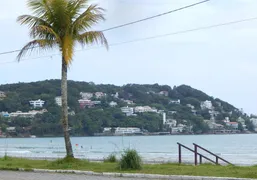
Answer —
166 169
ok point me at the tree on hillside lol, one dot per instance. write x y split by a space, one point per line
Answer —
60 24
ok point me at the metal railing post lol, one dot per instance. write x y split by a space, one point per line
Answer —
179 154
195 155
217 160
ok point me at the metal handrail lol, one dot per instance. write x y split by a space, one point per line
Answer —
201 155
196 153
217 157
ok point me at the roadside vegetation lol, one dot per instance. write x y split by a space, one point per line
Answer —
111 158
9 163
130 160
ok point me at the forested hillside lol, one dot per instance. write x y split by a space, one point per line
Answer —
182 103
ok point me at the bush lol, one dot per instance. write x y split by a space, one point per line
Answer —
130 159
111 158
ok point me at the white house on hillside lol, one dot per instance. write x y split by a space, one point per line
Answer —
206 105
128 130
113 104
86 95
141 109
37 103
58 100
29 114
175 101
129 111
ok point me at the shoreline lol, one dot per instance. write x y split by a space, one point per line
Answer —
128 135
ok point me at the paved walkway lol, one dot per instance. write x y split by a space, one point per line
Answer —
13 175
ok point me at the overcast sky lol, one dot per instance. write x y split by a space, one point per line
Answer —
221 62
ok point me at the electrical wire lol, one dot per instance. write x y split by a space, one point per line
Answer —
130 23
151 37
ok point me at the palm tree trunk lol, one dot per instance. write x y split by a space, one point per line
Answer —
65 124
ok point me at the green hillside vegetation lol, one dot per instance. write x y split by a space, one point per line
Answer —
88 121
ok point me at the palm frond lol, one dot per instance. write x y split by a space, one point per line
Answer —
92 37
61 23
75 6
42 44
44 32
32 21
41 8
87 19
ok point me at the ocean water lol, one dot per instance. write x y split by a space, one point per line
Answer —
237 149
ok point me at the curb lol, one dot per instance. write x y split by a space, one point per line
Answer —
134 175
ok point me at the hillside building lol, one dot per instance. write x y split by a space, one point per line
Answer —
37 103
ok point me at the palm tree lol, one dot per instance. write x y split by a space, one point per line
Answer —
61 24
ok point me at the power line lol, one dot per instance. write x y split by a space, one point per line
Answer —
151 37
155 16
9 52
130 23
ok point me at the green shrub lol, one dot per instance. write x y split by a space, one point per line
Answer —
5 158
130 159
67 160
111 158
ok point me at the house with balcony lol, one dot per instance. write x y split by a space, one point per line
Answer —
171 122
37 103
85 103
142 109
175 101
129 111
86 95
127 131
